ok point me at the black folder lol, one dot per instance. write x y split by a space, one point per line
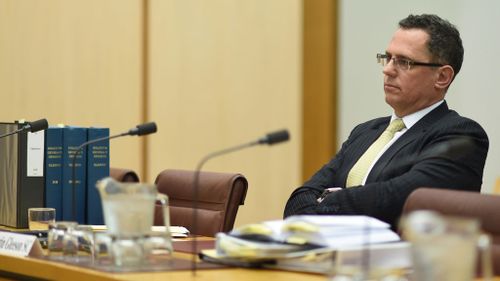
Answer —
21 183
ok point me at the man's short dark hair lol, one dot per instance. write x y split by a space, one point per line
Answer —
444 43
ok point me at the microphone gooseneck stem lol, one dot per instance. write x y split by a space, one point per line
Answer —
223 151
271 138
196 182
12 133
73 168
34 127
365 252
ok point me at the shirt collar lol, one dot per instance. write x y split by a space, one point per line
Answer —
413 118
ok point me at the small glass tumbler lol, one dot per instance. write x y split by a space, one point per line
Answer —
56 235
157 246
79 241
41 218
435 236
102 247
127 251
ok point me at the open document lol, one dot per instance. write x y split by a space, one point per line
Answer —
309 241
326 231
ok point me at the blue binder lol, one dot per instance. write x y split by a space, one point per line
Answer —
73 137
97 168
53 169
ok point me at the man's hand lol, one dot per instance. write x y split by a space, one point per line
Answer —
326 192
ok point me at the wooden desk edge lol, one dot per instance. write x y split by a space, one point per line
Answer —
26 266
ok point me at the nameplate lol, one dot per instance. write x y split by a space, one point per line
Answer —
14 244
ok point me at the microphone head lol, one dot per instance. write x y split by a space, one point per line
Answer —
275 137
456 148
143 129
38 125
452 149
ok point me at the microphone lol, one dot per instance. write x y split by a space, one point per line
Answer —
37 125
139 130
269 139
451 149
143 129
275 137
33 127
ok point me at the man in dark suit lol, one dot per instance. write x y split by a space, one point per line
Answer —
380 164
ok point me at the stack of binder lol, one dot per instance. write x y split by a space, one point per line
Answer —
36 170
91 164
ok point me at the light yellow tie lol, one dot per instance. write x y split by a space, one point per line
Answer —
359 170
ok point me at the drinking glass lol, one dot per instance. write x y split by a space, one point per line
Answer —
444 248
40 218
56 236
129 213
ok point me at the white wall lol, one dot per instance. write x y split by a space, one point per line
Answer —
366 27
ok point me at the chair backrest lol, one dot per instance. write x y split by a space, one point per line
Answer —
123 175
219 194
484 207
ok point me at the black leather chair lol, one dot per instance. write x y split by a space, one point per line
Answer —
123 175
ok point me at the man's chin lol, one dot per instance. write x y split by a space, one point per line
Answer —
390 99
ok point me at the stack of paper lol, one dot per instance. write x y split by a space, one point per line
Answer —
387 257
336 231
237 247
175 231
327 231
310 242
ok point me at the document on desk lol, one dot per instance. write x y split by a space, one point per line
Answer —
328 231
175 231
236 251
311 244
395 256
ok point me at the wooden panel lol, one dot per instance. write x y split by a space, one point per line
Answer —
74 62
320 85
496 189
224 73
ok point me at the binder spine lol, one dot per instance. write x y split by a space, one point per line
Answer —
53 169
97 168
73 137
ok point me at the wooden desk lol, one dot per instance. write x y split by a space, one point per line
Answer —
43 269
16 267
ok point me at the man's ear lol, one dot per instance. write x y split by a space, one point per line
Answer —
445 75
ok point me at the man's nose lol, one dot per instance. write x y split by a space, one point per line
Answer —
389 69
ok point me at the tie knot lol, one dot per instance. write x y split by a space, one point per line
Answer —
396 125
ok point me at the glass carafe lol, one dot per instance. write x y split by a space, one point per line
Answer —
129 215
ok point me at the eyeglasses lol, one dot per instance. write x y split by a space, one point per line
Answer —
402 63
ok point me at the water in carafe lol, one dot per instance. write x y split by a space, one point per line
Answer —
128 208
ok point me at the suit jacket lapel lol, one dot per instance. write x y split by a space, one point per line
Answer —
414 133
